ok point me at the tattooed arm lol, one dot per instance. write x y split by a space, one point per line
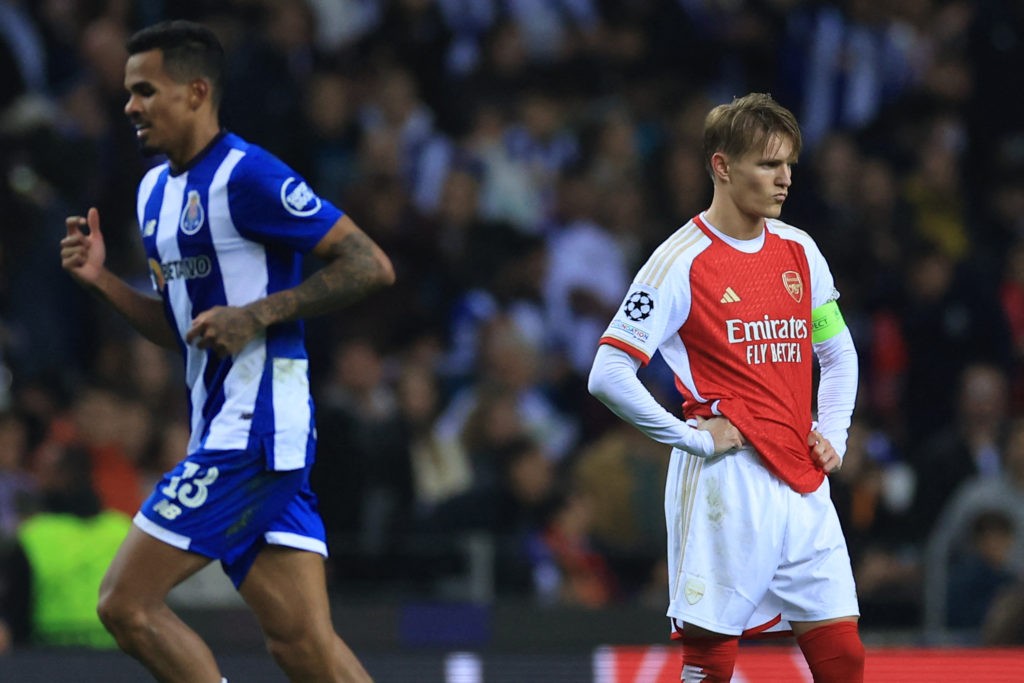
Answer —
355 266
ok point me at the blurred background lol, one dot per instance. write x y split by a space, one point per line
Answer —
518 160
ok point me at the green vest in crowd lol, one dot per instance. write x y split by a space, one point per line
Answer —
68 556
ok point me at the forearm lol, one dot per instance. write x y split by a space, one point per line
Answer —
837 388
357 267
144 313
613 381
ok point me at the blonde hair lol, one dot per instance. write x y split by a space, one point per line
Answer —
747 124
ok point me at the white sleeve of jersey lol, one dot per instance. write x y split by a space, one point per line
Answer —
837 388
837 356
613 381
823 286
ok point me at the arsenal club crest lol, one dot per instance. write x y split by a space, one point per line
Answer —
794 284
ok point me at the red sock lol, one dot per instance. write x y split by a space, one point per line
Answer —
834 653
709 660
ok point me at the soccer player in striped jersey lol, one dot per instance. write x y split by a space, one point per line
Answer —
225 226
737 301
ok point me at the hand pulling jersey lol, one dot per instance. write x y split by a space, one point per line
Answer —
732 320
229 229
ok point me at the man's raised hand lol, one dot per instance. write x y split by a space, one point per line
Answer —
83 254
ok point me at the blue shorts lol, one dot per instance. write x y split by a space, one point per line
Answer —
228 506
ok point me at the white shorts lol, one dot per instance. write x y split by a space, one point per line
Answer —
746 553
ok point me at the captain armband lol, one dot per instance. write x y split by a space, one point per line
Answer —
826 322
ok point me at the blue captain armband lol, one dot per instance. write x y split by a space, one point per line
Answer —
826 322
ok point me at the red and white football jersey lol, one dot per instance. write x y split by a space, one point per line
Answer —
732 319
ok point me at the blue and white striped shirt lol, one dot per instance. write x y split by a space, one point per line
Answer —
230 229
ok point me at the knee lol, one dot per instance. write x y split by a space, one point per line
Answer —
853 652
834 653
121 618
293 648
848 653
111 610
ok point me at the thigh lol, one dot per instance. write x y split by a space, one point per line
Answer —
726 532
286 589
802 627
145 569
219 503
815 582
297 525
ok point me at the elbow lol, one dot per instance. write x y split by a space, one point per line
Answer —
381 272
597 386
847 358
385 271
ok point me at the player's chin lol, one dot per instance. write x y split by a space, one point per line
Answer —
147 148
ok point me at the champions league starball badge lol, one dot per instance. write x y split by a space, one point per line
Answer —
639 306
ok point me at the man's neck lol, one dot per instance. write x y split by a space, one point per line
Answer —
198 144
729 220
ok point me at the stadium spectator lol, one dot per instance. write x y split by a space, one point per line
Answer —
510 371
586 272
940 313
971 445
50 578
981 571
623 472
17 487
363 458
977 545
873 494
567 567
440 470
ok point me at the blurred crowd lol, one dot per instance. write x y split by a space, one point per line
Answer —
517 159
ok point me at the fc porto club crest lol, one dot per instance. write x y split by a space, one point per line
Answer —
794 285
193 216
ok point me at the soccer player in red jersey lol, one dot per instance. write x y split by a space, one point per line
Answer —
738 303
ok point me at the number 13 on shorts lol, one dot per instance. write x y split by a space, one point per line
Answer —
188 489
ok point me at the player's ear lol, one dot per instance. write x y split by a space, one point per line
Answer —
720 166
198 92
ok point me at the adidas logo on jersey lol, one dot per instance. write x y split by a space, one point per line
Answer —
730 297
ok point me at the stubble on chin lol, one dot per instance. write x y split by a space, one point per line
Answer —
148 150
